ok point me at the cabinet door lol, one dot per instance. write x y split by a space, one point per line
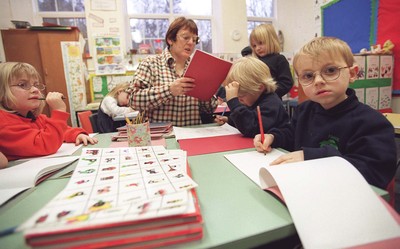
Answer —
52 63
23 46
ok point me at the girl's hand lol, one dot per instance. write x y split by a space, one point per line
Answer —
55 101
85 139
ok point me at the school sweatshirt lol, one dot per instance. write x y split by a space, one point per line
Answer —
351 130
22 137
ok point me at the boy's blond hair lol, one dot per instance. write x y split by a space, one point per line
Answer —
10 71
118 88
266 34
335 48
251 73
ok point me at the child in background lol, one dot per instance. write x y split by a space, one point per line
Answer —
114 103
265 45
24 131
251 85
333 122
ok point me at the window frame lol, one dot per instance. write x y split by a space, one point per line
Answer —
171 16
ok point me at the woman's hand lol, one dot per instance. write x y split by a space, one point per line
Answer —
55 101
85 139
181 86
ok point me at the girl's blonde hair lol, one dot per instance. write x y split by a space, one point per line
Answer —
251 73
10 71
118 88
334 47
265 34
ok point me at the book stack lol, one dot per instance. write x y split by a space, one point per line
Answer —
157 130
139 197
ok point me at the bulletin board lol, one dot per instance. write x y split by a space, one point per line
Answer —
348 20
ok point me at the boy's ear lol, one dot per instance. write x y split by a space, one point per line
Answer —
353 73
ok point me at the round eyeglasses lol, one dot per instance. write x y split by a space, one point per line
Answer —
27 86
329 73
187 38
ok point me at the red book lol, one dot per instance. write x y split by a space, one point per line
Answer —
209 73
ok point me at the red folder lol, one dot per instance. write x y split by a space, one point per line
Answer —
209 73
206 145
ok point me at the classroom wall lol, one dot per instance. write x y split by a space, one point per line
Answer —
296 19
229 16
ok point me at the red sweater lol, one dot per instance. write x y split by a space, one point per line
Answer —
23 137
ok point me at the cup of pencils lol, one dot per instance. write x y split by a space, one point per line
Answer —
138 132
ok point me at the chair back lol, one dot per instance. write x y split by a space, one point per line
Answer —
84 121
93 120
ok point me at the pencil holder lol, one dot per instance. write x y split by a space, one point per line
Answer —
139 134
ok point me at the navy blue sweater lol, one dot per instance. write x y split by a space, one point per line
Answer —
245 118
280 71
351 130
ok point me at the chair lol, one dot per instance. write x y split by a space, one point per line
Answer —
84 121
93 121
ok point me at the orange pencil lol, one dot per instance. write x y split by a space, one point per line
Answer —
261 125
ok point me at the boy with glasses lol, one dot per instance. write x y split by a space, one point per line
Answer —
24 131
333 122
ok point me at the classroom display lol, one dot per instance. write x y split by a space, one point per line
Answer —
374 84
121 196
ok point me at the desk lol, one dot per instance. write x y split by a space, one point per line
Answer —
236 212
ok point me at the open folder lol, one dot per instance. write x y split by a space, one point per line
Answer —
209 73
331 204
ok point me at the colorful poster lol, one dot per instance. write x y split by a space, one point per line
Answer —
109 56
74 77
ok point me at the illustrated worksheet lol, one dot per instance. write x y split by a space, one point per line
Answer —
120 184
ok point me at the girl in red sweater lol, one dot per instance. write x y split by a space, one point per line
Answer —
24 131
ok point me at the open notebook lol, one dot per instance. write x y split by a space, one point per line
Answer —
331 204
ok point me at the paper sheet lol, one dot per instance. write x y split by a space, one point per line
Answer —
251 162
212 131
331 204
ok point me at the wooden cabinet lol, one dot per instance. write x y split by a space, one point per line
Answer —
41 49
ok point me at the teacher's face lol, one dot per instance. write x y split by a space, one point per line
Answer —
184 44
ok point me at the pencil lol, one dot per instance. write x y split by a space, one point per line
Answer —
128 121
224 111
45 98
261 125
9 231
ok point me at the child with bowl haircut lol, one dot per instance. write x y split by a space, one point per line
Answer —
251 85
333 122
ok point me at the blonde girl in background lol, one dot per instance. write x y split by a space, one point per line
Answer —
114 103
265 46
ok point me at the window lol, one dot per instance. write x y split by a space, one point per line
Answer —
64 13
149 21
259 12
